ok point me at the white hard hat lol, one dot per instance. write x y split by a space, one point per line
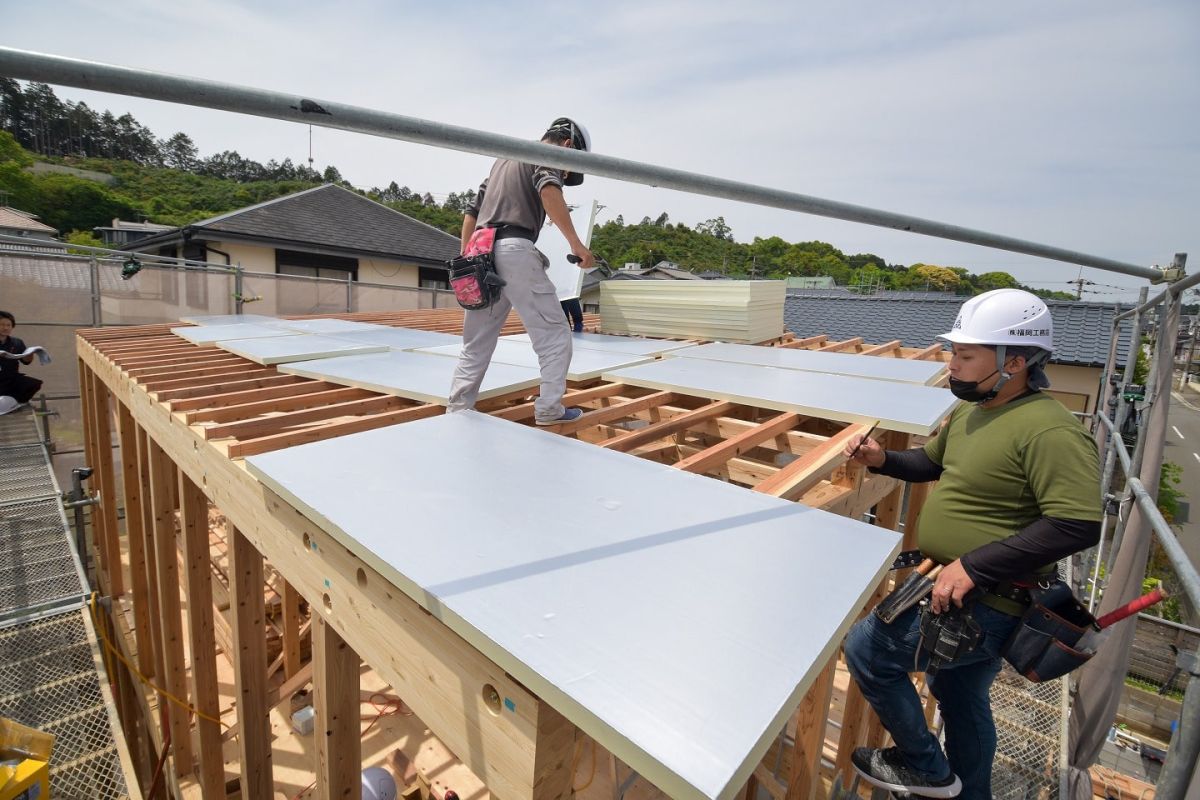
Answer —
8 404
378 784
1009 317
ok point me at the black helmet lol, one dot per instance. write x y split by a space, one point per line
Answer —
567 128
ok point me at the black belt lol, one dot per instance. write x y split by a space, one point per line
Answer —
513 232
1011 591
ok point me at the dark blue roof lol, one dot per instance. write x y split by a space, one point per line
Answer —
1081 330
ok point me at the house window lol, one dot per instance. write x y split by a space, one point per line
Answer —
433 278
313 297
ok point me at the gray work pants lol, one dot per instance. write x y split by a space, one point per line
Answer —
530 292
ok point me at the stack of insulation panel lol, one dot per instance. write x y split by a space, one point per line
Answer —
728 311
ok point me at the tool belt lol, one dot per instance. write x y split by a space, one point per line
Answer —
513 232
473 275
1042 647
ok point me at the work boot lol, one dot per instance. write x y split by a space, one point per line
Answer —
887 769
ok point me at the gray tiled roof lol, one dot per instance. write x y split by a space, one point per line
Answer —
330 218
1081 330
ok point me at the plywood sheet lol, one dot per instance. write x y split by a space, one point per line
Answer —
887 369
676 619
896 406
211 334
417 376
585 364
633 345
284 349
400 338
324 325
226 319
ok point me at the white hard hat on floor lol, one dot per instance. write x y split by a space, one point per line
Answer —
378 784
1004 317
8 404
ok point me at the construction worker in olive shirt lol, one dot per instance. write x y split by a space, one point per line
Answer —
1018 489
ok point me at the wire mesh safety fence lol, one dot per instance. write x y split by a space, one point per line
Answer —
49 681
54 293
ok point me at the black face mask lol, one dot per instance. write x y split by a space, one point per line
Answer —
969 390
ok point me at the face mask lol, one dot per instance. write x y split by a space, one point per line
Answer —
969 390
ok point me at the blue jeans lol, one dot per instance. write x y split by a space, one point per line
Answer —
880 658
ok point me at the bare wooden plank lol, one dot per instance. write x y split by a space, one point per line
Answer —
313 410
625 409
193 518
215 367
930 353
742 443
810 469
335 680
281 398
267 443
212 395
525 411
291 630
250 666
892 347
150 636
104 470
251 370
837 347
804 782
806 342
170 616
135 536
667 427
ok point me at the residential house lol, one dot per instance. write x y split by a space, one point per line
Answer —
1082 332
122 232
37 235
326 232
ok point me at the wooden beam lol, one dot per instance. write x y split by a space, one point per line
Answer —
100 555
320 433
339 747
798 344
283 398
309 410
804 781
739 445
210 394
809 470
135 535
170 617
571 398
837 347
150 636
625 409
251 370
250 665
193 519
930 353
108 486
667 427
892 347
439 674
291 631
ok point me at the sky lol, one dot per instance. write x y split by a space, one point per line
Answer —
1073 123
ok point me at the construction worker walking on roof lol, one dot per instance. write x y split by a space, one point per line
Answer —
1018 489
509 211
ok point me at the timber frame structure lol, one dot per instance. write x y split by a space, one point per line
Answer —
184 418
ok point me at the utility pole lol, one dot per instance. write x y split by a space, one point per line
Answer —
1191 353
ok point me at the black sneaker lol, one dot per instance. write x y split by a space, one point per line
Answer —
887 769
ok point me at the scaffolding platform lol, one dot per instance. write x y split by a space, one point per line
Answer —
52 677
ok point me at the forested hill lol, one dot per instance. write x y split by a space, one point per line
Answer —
78 169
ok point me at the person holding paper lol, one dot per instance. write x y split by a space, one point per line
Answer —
12 383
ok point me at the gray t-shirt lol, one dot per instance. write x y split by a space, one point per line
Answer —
511 195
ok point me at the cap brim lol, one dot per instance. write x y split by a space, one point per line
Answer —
958 337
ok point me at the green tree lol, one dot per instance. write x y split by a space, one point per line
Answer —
939 279
179 152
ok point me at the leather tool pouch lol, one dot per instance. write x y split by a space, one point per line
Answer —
948 636
1042 647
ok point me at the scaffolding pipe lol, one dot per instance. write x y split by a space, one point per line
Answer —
96 76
